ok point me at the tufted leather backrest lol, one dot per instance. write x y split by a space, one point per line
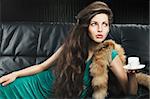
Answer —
24 44
134 39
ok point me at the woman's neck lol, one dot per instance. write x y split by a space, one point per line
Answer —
93 46
91 50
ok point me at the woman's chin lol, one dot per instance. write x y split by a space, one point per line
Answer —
99 41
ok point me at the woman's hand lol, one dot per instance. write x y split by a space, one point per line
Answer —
5 80
132 72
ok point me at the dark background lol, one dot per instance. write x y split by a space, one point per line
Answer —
125 11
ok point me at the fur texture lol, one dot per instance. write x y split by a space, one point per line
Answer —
101 60
98 70
143 79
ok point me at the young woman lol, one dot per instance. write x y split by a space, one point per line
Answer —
68 75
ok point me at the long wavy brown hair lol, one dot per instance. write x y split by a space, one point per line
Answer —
70 66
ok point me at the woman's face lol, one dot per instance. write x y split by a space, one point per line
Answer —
99 27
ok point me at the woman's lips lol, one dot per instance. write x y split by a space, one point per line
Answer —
99 36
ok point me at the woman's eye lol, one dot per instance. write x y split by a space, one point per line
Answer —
93 24
105 24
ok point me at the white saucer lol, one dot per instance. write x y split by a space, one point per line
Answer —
128 67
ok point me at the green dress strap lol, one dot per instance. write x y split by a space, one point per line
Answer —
114 54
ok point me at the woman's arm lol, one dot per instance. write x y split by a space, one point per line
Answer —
128 86
30 70
117 69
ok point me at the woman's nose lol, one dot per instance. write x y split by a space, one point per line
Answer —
100 28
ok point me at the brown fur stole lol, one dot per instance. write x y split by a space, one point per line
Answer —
98 70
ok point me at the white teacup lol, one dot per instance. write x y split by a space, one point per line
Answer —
133 62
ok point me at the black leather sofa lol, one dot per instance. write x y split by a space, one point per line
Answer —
23 44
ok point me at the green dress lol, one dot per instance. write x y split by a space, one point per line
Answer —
39 86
